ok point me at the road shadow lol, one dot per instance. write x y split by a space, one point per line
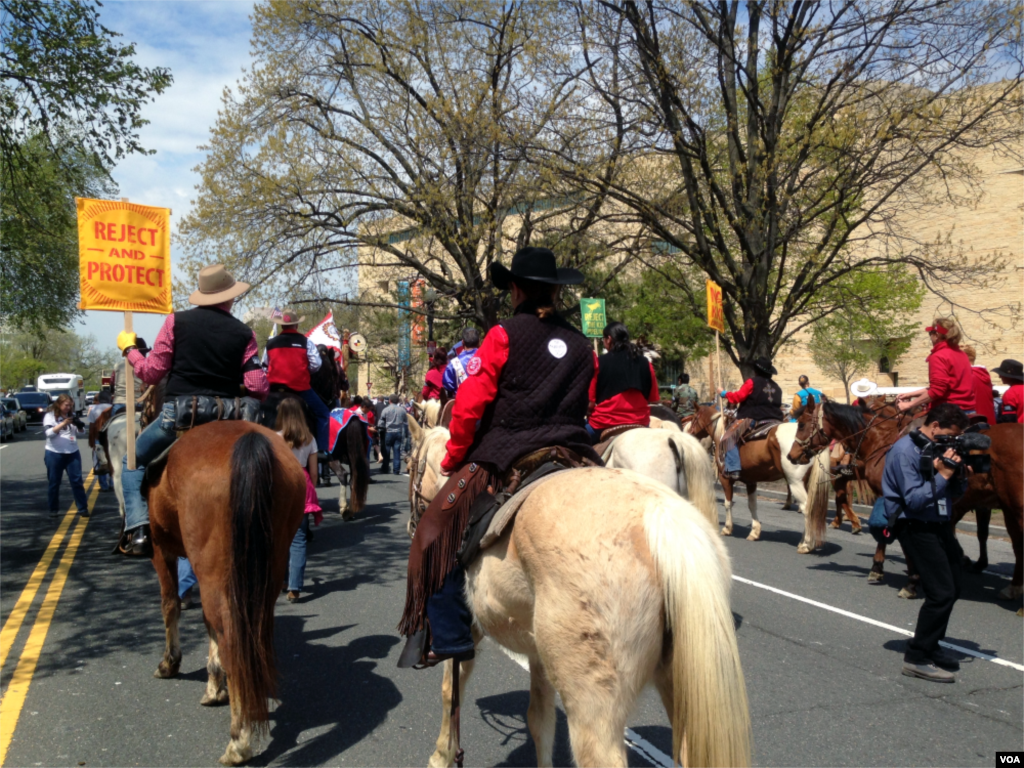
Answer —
320 687
900 646
505 714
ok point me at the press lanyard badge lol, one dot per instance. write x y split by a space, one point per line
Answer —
943 512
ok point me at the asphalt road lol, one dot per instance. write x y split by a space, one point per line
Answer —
825 687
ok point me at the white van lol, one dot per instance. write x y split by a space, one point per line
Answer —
56 384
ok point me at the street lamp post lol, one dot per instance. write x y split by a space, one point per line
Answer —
429 297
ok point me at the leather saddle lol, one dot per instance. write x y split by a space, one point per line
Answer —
607 436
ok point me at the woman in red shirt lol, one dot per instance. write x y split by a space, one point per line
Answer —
949 371
1011 372
435 376
984 403
624 387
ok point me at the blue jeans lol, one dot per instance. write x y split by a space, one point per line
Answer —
322 415
393 444
732 459
153 441
56 465
595 436
297 557
450 619
186 576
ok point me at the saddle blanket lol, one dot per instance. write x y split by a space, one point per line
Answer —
506 512
340 417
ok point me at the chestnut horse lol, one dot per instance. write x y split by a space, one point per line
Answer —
868 432
229 497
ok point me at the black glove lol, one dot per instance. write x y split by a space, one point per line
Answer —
141 345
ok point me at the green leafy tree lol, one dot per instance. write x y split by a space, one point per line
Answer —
874 321
397 135
39 248
24 356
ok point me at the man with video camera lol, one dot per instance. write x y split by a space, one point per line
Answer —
924 474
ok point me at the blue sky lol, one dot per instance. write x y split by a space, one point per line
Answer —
206 46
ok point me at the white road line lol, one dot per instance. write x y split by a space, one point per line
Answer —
882 624
633 740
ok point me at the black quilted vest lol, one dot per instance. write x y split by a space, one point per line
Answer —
208 348
542 398
764 403
617 372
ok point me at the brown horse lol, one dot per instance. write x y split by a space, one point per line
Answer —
229 497
869 431
841 485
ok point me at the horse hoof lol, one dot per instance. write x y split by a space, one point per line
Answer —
977 567
908 593
726 531
234 755
438 760
875 577
347 514
803 549
1011 592
165 671
217 700
857 531
753 536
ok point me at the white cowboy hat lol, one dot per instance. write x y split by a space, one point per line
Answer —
863 388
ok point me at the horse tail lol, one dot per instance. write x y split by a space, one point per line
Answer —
817 498
709 695
697 471
358 463
253 666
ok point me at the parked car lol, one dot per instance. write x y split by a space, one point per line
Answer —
19 415
90 396
28 388
34 404
6 425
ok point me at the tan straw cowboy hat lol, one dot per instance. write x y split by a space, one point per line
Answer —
290 317
216 285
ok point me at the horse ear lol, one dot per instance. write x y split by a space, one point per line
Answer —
415 430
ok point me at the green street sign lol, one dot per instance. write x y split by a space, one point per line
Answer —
594 319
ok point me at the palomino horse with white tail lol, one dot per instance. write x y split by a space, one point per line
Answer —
229 496
607 580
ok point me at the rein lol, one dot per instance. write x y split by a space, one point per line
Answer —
855 453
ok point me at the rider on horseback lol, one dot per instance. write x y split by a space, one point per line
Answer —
456 373
203 351
291 358
760 400
527 387
625 386
434 380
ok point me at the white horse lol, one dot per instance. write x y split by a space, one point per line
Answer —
667 455
117 445
430 412
607 581
794 475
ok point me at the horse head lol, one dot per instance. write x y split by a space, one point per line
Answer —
811 431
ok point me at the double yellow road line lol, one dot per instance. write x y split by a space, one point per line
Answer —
14 697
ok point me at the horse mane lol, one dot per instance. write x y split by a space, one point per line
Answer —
849 417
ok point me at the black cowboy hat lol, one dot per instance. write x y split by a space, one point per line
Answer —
1011 369
764 365
537 264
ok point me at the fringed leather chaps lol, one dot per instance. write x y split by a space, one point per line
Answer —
438 537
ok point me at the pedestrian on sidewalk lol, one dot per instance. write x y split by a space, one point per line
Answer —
291 425
919 489
62 428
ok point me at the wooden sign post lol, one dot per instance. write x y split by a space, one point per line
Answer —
716 320
124 264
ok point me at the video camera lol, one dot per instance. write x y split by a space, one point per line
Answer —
78 422
962 445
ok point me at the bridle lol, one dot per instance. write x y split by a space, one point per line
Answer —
855 459
418 503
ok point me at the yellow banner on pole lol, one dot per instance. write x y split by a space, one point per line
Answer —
716 316
124 256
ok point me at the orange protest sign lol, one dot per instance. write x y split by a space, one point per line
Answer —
716 316
124 256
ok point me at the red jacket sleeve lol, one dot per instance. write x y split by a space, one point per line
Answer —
475 394
593 381
740 394
655 396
